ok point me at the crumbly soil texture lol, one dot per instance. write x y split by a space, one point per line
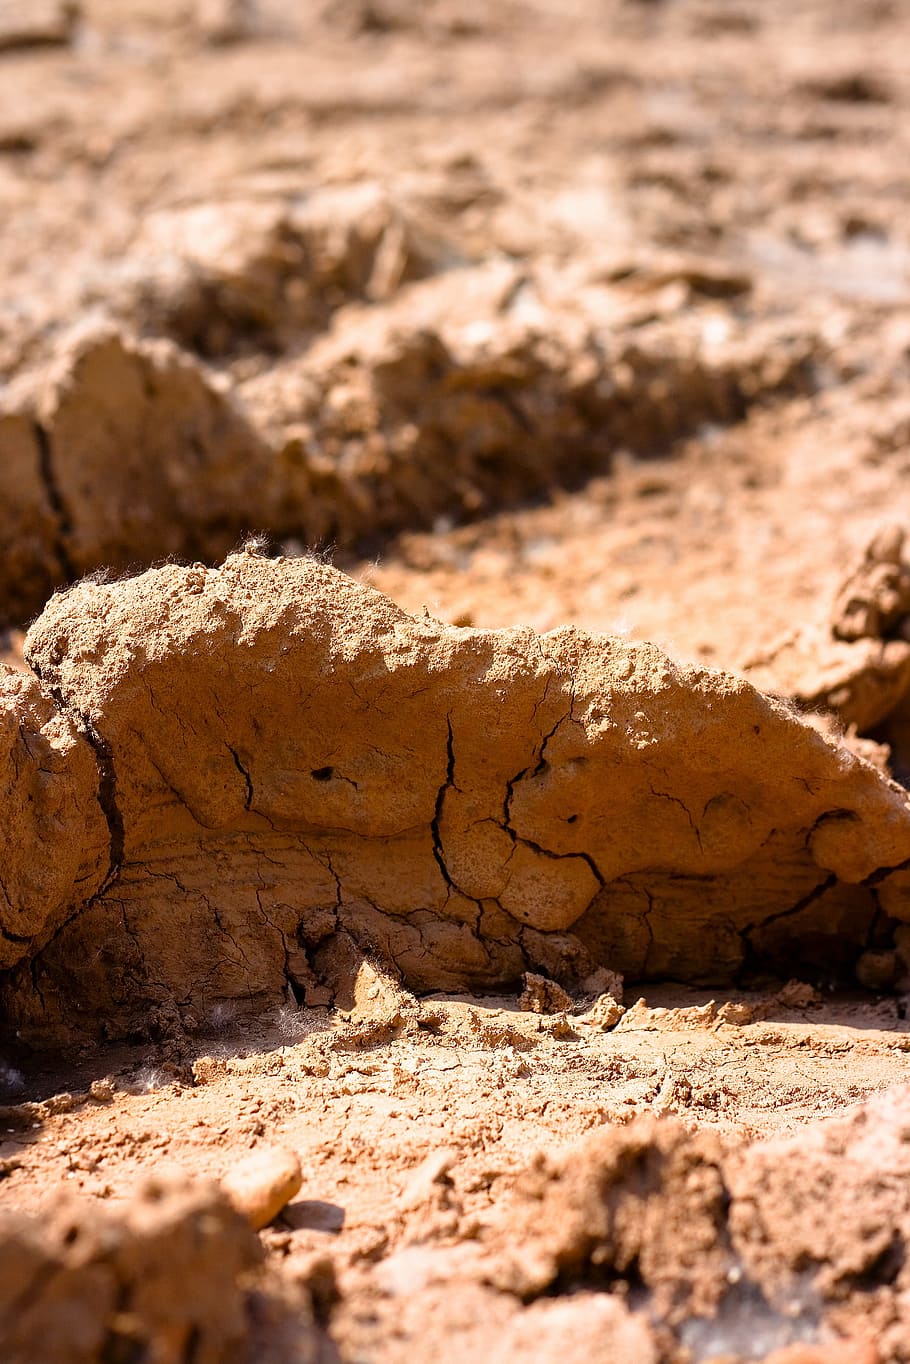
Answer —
455 682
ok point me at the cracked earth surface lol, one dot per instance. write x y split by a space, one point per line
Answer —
518 830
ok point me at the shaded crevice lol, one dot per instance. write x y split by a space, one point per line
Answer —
55 500
828 883
107 799
107 778
519 839
675 800
880 874
435 830
15 938
284 947
246 777
448 784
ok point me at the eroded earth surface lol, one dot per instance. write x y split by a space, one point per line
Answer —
455 708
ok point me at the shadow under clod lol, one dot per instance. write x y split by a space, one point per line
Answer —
313 1215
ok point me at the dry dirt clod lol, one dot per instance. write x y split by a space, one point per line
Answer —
878 970
263 1183
430 1179
735 1012
603 981
856 665
87 1285
604 1013
542 996
797 994
301 819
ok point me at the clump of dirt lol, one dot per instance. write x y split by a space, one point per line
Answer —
50 787
720 1248
371 432
271 810
97 467
855 665
221 279
87 1287
588 325
404 425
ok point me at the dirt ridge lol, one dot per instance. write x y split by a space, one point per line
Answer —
285 762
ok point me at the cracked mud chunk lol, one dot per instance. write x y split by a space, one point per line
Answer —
284 754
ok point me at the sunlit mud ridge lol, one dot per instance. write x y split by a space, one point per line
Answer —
119 453
224 785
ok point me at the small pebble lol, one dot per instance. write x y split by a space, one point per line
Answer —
264 1183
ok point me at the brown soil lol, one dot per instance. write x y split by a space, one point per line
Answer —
552 902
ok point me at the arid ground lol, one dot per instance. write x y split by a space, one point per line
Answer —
455 698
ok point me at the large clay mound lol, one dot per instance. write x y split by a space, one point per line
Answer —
288 763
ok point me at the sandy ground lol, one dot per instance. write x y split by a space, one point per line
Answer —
703 168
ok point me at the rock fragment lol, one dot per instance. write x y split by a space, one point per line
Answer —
263 1183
